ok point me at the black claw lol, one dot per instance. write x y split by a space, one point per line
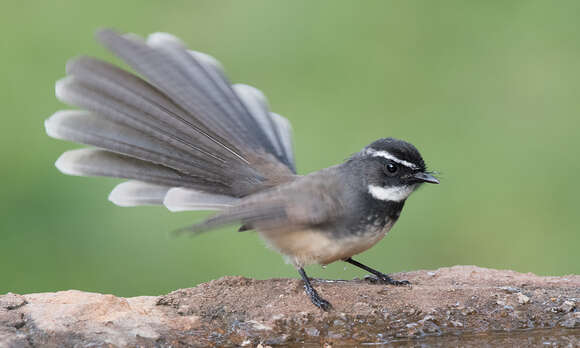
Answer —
385 279
388 280
317 300
402 282
324 305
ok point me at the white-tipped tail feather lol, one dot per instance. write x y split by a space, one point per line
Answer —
159 39
285 132
97 162
60 89
53 124
208 61
134 193
257 104
68 162
177 129
181 199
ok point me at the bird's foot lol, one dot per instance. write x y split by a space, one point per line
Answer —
377 277
382 278
312 293
317 300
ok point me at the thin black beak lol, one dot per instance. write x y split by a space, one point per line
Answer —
426 177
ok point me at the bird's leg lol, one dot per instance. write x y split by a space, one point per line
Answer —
383 278
314 297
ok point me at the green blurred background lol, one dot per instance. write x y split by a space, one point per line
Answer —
488 91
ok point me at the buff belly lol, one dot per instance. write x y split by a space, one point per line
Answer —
305 247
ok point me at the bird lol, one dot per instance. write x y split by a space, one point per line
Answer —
183 136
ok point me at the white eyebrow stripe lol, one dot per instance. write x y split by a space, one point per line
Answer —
389 156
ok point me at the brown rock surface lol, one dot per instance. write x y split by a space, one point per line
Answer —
460 300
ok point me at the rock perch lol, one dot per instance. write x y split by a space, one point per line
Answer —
460 301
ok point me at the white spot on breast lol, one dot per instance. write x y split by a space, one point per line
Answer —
393 194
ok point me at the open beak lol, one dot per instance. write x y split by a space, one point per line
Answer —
426 177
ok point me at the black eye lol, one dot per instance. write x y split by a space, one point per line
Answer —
391 168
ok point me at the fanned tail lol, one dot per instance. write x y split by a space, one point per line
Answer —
184 136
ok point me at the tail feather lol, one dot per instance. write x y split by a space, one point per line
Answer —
211 87
185 136
87 128
257 105
207 76
212 65
100 87
285 131
134 193
207 99
95 162
182 78
71 91
90 67
181 199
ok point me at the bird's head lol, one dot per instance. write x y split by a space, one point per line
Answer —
392 169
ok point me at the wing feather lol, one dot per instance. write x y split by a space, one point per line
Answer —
308 202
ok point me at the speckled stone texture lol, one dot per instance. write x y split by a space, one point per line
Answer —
236 311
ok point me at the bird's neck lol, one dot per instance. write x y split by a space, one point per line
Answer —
387 209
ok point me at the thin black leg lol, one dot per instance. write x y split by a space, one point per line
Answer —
314 297
381 277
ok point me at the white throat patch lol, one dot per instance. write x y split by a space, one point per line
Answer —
393 194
